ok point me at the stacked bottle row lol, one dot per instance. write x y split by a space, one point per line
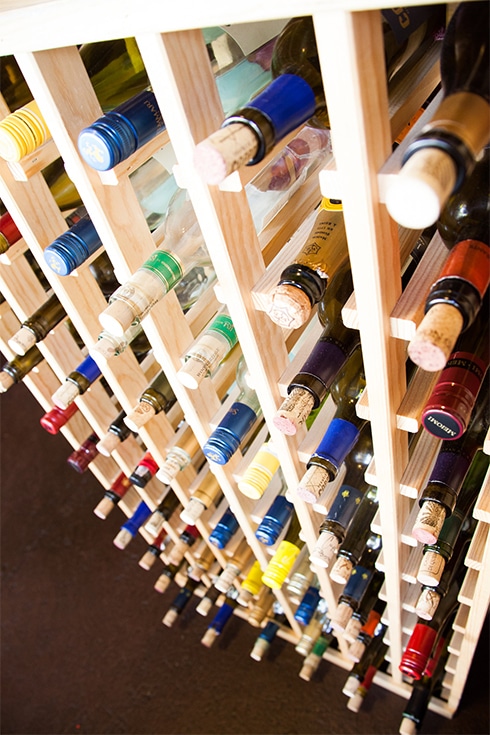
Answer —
193 352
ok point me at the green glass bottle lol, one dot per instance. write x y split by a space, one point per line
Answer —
158 396
17 369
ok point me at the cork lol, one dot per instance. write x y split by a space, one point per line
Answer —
6 381
209 637
224 151
162 583
325 549
418 193
204 606
103 508
170 617
341 616
435 337
22 341
122 539
289 306
431 569
341 570
147 560
260 649
294 411
356 650
117 318
352 629
354 703
192 512
407 727
108 444
427 603
312 484
66 394
429 522
139 416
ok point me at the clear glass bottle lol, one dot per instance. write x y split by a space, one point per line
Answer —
76 383
238 421
16 369
179 456
342 432
157 396
184 251
439 497
206 354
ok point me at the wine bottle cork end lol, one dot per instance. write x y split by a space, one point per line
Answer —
210 163
407 727
22 341
431 569
435 337
6 381
103 508
117 318
289 307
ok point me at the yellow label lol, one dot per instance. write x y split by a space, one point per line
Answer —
332 205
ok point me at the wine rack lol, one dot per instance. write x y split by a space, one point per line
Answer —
364 123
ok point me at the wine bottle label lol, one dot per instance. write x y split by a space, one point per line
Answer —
470 261
358 582
224 326
404 21
166 266
325 248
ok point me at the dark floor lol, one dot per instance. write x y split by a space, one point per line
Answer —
83 646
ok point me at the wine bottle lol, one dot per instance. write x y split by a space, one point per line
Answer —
449 406
430 596
306 608
437 555
112 496
427 635
130 528
179 456
422 690
268 633
363 575
259 473
157 396
207 601
369 603
224 530
439 497
302 284
444 152
234 567
37 326
9 232
301 577
85 454
355 702
282 562
144 471
164 510
261 607
180 602
109 345
186 540
221 618
238 421
314 658
316 624
342 432
293 97
120 132
154 550
373 656
163 270
170 572
366 633
154 188
203 496
275 519
310 386
16 369
116 434
251 585
76 383
356 536
206 354
54 419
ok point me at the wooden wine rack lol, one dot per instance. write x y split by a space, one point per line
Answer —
44 37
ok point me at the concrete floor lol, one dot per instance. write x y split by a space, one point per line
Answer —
83 646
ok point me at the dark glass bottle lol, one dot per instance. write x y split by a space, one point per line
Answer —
56 418
347 502
369 603
342 432
427 634
154 550
224 530
367 631
438 159
373 656
268 633
16 369
302 283
130 528
116 434
37 326
158 396
439 497
85 454
356 537
221 618
306 608
422 691
144 471
363 576
180 602
437 555
186 540
294 96
170 572
318 623
164 510
113 496
76 383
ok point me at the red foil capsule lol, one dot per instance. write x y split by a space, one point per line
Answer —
418 650
53 420
85 454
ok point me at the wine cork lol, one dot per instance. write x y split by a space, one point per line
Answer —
418 193
139 416
66 394
6 381
108 444
170 617
147 560
341 570
103 508
117 318
350 686
122 539
352 629
102 351
289 306
325 549
204 606
22 341
312 484
427 604
192 512
407 727
162 583
209 637
435 337
260 648
225 151
429 522
294 411
356 651
192 373
341 616
431 568
354 703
